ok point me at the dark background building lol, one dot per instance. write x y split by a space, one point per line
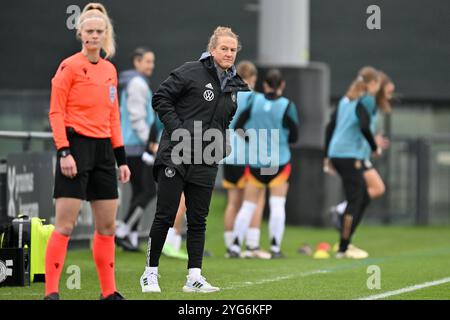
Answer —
413 43
412 46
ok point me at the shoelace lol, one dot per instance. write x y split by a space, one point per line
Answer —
152 278
203 281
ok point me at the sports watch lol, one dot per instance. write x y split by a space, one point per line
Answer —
63 152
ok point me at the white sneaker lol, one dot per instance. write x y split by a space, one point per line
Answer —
231 254
352 253
356 253
149 282
198 285
122 229
256 254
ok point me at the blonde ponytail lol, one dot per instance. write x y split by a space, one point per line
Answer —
359 85
95 10
383 102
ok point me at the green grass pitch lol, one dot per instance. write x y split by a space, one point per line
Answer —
406 256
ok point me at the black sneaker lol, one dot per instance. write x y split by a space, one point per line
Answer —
232 254
52 296
114 296
126 245
277 255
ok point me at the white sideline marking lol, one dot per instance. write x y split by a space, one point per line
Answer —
280 278
406 289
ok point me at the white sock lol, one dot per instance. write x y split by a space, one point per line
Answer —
242 223
134 238
252 238
171 234
340 208
151 270
276 221
177 242
228 237
122 229
149 246
135 216
195 273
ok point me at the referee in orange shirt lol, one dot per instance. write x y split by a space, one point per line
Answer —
84 116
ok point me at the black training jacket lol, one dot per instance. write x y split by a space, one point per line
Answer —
191 93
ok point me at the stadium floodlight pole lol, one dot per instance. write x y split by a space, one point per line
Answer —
283 33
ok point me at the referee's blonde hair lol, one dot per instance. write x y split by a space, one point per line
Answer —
95 10
222 32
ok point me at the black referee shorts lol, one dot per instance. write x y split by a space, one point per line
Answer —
96 177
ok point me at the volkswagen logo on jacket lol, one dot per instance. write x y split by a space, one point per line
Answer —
208 95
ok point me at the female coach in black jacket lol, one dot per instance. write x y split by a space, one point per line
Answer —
197 96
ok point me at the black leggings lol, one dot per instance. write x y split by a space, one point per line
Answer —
143 187
351 171
197 198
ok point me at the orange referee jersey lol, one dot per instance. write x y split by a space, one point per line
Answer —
84 96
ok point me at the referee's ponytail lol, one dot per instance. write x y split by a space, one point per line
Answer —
95 10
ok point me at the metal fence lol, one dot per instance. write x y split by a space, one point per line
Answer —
416 168
416 172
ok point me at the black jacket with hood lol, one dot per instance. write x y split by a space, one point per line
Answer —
191 93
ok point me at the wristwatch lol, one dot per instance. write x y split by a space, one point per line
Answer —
63 153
